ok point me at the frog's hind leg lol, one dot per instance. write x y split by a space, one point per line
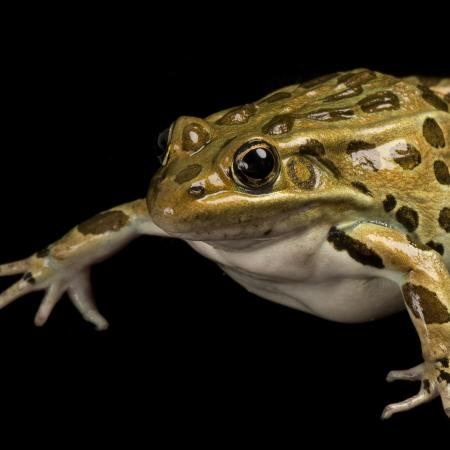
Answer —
425 283
429 389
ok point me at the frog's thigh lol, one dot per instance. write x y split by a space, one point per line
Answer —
425 283
422 277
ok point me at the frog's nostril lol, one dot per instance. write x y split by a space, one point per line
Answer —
197 190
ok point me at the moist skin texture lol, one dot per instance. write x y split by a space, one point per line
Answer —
347 215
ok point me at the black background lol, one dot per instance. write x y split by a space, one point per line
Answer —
190 355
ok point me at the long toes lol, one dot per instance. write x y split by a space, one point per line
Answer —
422 397
94 317
14 267
80 293
51 298
17 290
412 374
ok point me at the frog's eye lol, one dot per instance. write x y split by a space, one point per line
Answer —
256 164
162 142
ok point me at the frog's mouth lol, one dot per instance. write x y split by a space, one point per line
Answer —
219 219
231 213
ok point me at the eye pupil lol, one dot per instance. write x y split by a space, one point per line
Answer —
256 164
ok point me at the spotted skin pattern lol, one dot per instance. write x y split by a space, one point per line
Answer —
355 185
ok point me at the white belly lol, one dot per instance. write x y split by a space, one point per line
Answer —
342 300
305 272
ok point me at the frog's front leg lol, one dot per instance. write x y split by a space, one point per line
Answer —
425 283
65 265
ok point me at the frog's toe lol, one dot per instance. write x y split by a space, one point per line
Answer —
15 291
80 292
51 298
413 374
37 275
14 268
435 378
422 397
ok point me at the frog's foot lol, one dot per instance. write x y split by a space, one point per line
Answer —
39 275
435 381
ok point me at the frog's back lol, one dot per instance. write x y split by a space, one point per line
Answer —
388 138
395 147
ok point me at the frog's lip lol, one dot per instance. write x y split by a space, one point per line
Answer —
234 232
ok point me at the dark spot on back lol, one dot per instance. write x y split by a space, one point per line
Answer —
316 81
444 376
441 172
275 97
407 158
104 222
436 246
408 218
348 93
356 79
389 203
432 133
431 98
356 249
43 253
238 115
316 149
331 115
444 362
188 173
267 232
424 303
380 101
426 385
312 147
444 219
362 187
28 277
279 125
354 146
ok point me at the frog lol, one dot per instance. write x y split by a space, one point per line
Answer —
331 196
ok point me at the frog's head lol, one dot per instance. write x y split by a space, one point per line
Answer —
240 174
